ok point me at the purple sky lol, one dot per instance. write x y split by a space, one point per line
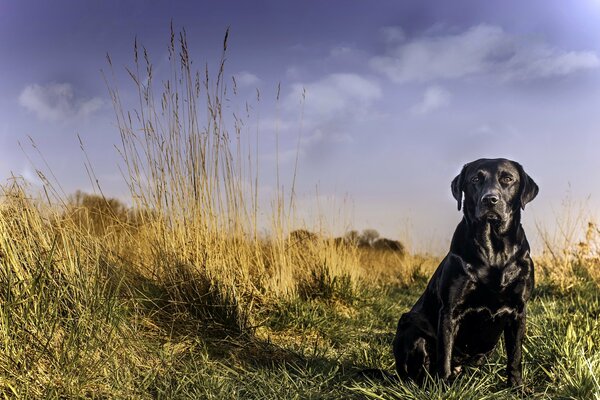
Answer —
399 95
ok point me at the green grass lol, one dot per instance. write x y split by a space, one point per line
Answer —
314 349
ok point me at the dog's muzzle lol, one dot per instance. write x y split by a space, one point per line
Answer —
491 208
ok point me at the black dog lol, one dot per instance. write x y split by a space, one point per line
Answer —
480 289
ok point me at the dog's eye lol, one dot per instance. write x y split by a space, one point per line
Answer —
475 179
506 179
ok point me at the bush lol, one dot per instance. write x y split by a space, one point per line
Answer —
388 244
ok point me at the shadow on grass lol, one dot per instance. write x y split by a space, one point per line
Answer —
323 346
320 347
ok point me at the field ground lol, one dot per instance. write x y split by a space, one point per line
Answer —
114 345
315 349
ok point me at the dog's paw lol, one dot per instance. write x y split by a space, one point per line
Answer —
521 389
456 371
515 382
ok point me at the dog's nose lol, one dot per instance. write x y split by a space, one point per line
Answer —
490 199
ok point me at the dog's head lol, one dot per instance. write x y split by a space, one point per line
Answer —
494 190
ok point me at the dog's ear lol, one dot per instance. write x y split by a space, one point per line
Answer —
528 189
457 186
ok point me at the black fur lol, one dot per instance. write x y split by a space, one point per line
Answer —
480 289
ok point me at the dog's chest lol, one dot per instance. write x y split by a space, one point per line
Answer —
493 293
486 306
494 256
492 278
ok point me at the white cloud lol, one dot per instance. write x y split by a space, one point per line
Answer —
319 136
313 141
293 72
392 34
31 176
245 79
482 49
90 106
542 61
340 51
434 97
334 96
326 113
57 102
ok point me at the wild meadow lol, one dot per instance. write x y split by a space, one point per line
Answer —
182 295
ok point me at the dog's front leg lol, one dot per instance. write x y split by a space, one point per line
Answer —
514 331
445 342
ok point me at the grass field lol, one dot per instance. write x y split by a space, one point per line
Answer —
180 296
75 325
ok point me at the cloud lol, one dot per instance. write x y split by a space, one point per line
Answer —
245 79
30 176
482 49
434 97
293 72
392 34
340 51
330 109
335 95
543 62
57 102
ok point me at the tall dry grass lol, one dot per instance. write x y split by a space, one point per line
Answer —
571 250
82 276
61 314
185 164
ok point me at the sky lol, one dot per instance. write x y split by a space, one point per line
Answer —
382 102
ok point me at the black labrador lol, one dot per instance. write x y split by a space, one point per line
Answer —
480 289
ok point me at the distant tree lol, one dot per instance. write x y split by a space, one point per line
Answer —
339 241
389 244
96 213
368 237
302 235
104 206
351 238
